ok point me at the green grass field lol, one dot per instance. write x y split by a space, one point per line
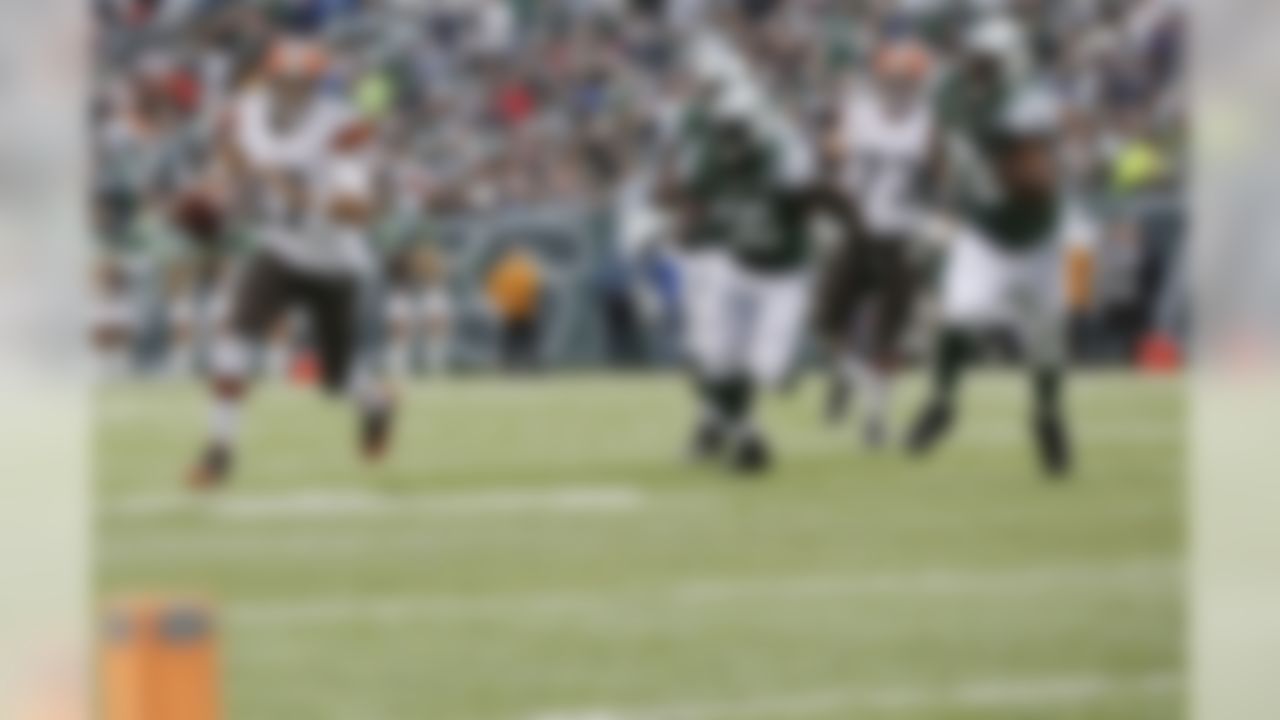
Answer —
538 551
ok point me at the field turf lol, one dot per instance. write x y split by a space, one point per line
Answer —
538 550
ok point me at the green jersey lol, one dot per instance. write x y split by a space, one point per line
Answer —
745 202
994 137
694 136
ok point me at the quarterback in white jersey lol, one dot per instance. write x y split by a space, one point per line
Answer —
885 150
299 167
294 157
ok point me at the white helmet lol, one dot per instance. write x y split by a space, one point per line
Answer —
715 62
1001 38
734 93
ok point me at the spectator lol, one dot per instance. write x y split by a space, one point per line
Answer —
515 293
620 315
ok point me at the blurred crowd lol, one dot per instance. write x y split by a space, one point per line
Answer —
487 105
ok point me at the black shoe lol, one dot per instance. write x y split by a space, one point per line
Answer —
839 401
1054 445
708 442
752 457
930 428
212 470
376 426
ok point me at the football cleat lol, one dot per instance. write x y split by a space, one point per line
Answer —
930 428
212 470
752 457
376 429
1054 445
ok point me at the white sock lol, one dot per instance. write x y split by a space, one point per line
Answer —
367 393
872 386
228 360
224 421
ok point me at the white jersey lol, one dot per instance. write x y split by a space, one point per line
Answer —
310 240
885 154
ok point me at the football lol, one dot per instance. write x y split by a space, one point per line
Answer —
198 215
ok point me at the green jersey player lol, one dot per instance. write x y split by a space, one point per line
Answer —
1011 233
743 193
746 203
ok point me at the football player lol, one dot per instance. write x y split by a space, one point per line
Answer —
745 193
700 253
299 167
1015 237
885 148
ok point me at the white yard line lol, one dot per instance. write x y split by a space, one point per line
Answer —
318 503
1032 693
1151 573
1138 433
243 549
